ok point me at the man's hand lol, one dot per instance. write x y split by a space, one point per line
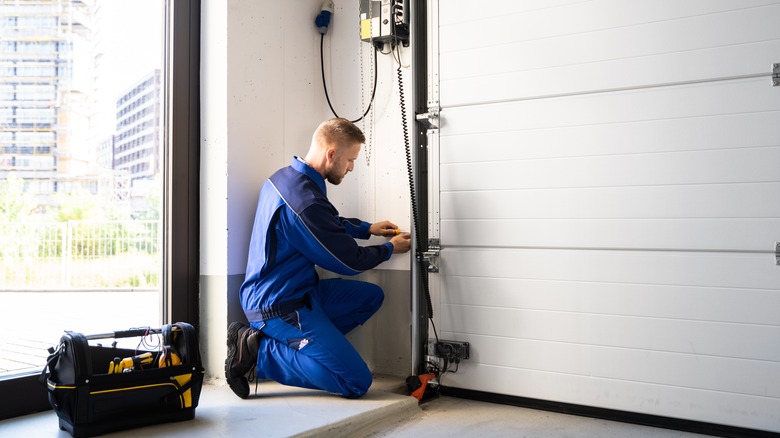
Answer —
401 243
384 228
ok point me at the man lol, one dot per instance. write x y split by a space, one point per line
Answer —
298 322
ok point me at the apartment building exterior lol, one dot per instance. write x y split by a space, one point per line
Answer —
56 132
137 139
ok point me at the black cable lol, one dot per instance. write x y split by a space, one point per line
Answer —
325 87
413 197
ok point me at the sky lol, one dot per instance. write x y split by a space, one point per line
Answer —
131 40
133 36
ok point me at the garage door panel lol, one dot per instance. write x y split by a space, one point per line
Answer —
698 371
701 269
711 339
522 21
745 96
665 52
692 303
658 234
652 70
669 69
692 201
670 168
714 406
479 140
464 10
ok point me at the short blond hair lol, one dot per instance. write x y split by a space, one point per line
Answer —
338 132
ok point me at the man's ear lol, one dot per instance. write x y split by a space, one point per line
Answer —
330 154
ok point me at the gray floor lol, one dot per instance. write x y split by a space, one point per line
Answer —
281 411
453 417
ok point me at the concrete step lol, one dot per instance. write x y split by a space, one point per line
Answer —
276 411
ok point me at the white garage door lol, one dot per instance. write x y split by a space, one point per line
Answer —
609 203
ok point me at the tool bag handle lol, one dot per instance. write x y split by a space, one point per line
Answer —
129 333
51 361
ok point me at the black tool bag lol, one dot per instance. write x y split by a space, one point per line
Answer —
95 389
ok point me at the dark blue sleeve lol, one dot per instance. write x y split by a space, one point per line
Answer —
320 235
356 228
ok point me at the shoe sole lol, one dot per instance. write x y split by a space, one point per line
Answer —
232 341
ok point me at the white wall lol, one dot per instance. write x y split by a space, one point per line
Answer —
378 189
213 199
262 98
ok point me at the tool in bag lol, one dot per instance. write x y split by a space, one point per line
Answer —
96 389
129 363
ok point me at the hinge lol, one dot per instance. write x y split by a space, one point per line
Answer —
776 74
430 120
777 253
432 255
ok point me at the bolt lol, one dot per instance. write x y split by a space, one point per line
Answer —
775 83
777 65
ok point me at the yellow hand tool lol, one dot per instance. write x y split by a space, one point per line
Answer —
129 363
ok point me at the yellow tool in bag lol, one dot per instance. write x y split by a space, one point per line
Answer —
129 363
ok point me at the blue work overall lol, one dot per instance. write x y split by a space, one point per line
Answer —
304 319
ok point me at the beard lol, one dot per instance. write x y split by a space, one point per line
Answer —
336 173
333 178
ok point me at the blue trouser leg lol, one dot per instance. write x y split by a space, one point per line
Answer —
308 349
348 303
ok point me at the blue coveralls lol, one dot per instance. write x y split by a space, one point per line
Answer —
304 319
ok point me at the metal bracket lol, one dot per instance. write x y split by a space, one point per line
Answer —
776 74
777 253
434 248
430 119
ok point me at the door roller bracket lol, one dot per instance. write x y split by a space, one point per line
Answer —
430 120
431 256
777 253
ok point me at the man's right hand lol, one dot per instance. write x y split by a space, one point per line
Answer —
401 243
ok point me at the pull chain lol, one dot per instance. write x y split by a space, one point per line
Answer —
368 124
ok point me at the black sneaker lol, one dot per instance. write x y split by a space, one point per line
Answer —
243 343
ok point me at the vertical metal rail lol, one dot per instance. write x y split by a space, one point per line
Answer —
419 43
181 250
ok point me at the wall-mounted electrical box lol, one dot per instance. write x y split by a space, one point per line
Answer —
384 21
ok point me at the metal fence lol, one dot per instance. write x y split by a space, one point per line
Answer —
80 254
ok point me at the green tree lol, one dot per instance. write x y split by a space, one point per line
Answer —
78 206
14 205
152 200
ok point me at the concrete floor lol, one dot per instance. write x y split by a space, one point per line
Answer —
453 417
385 411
